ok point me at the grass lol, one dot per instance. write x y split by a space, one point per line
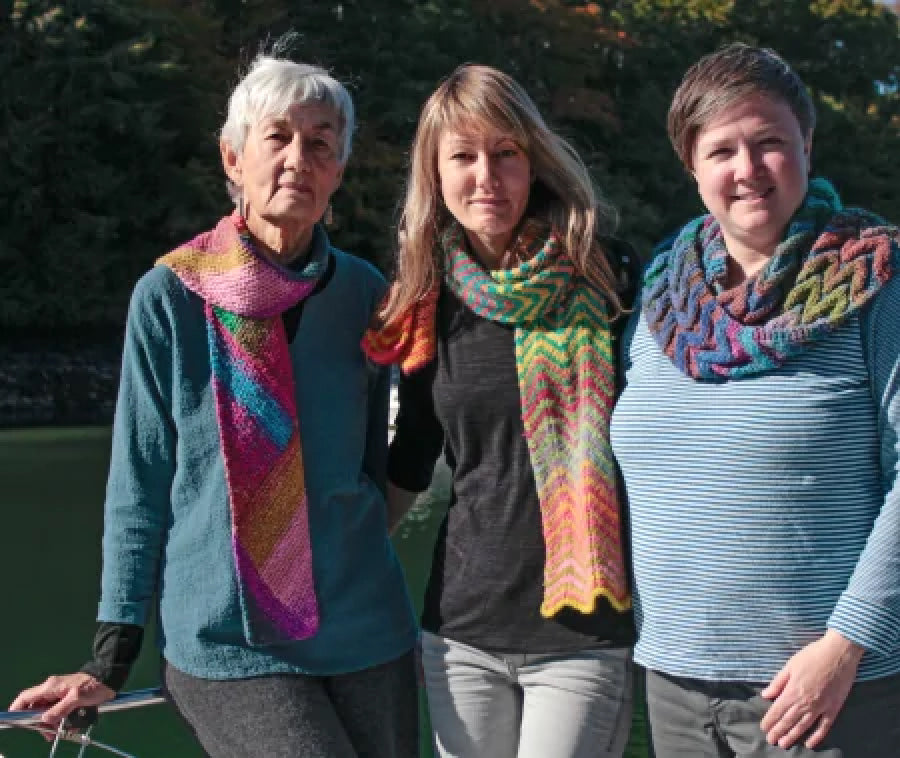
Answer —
52 499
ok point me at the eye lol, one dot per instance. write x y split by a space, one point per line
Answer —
508 152
277 136
719 153
771 141
460 155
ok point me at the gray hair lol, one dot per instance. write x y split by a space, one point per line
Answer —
271 86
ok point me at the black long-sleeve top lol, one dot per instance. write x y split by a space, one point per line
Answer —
486 582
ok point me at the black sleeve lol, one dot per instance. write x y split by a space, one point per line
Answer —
375 459
627 267
418 436
116 648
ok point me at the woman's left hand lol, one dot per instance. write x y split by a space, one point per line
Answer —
810 690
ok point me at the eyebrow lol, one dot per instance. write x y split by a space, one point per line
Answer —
465 141
282 122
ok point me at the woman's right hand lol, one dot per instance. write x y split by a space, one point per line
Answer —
61 695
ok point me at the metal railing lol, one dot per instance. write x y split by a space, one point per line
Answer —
70 730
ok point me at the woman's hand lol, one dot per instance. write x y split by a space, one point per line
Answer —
63 694
810 690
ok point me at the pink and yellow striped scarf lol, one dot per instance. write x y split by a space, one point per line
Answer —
244 296
566 373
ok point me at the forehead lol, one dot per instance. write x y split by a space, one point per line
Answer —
749 115
312 115
482 134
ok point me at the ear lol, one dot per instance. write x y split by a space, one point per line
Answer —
231 162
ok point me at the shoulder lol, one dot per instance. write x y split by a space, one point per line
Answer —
160 298
626 265
882 317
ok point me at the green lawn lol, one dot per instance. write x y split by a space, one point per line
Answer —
52 498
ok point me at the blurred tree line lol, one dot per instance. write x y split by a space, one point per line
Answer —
110 110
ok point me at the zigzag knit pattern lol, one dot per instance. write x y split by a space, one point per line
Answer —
567 384
253 386
831 262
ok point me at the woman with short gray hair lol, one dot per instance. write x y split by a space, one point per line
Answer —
247 482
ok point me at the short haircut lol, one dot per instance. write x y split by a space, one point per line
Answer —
726 77
272 85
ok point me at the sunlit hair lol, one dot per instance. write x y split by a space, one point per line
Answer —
272 85
725 78
472 100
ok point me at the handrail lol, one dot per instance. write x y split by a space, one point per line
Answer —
68 730
123 702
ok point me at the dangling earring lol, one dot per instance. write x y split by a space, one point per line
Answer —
329 216
241 205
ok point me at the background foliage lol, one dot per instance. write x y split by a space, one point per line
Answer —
110 109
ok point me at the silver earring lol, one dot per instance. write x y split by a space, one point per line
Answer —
329 215
241 205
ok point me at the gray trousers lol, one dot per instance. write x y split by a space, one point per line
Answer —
690 718
365 714
510 705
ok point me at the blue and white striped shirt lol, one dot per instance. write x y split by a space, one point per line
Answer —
766 509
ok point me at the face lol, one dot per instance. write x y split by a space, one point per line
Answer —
751 165
288 169
485 180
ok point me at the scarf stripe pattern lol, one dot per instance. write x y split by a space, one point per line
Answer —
831 262
564 361
253 387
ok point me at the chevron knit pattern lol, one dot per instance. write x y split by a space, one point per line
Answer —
567 385
253 387
831 262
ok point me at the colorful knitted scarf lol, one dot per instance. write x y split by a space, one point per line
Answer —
565 365
244 296
831 262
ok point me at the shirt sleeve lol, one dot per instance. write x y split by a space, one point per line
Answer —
116 648
375 460
142 463
418 435
868 611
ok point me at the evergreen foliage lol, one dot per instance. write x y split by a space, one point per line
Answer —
111 108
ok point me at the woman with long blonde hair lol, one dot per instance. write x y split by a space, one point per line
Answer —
502 319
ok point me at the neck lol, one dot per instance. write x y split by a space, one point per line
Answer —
495 253
280 244
744 262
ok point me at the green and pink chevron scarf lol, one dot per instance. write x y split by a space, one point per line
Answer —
830 264
244 296
566 370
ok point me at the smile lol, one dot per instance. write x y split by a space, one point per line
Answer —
753 196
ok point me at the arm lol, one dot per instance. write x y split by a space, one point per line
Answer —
417 443
141 471
375 456
810 690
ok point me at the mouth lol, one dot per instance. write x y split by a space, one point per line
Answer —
487 202
301 189
753 196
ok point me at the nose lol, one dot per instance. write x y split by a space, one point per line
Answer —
296 158
747 163
484 170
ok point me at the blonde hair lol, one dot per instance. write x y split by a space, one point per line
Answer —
471 99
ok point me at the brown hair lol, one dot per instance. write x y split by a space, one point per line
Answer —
472 98
719 80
